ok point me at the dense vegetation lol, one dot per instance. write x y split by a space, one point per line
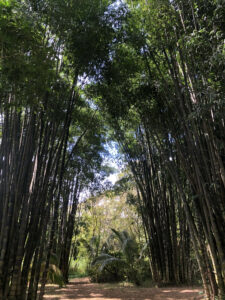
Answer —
148 75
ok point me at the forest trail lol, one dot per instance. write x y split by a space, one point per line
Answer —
82 289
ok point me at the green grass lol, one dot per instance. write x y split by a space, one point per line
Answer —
77 275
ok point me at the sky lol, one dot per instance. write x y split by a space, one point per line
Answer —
113 160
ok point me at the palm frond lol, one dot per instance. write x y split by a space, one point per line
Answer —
143 250
105 259
118 234
101 257
125 235
108 262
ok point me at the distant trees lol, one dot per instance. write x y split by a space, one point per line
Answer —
98 215
111 254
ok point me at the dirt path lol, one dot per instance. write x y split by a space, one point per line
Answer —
82 289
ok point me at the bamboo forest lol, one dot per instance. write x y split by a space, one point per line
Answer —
112 149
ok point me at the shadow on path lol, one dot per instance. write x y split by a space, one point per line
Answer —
82 289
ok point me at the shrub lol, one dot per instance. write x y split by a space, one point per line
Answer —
113 272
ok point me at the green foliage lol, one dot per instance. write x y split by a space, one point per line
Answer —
24 61
100 244
54 275
78 268
125 259
128 244
113 271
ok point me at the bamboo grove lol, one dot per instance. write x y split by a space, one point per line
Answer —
163 95
152 74
51 140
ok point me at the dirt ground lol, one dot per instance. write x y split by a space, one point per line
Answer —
82 289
